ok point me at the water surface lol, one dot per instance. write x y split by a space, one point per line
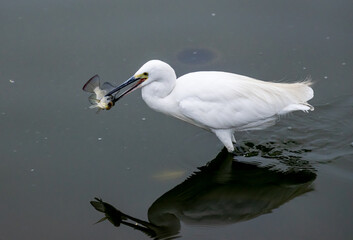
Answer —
290 181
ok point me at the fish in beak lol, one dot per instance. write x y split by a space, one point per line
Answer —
98 92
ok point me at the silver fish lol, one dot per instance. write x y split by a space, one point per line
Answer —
98 98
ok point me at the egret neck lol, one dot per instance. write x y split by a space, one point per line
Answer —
156 92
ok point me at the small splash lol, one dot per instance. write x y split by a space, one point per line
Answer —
12 81
100 139
290 153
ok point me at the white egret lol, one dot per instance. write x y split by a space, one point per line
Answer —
220 102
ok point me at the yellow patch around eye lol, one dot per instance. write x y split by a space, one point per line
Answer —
142 75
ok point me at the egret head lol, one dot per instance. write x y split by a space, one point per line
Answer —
156 70
153 70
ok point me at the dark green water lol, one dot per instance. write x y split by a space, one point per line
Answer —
290 181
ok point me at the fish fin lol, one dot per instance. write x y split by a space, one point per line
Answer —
92 99
108 86
98 205
91 84
94 106
101 220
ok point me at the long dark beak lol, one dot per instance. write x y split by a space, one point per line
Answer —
124 84
121 86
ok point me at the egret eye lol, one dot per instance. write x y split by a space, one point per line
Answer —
146 74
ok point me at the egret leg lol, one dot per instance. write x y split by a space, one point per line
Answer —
226 137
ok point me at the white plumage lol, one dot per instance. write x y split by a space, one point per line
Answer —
220 102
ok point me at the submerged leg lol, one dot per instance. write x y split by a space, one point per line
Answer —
226 137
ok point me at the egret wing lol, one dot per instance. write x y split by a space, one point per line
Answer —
222 100
225 115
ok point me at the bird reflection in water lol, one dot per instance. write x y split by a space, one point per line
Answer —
225 191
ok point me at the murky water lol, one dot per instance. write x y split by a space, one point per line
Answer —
290 181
